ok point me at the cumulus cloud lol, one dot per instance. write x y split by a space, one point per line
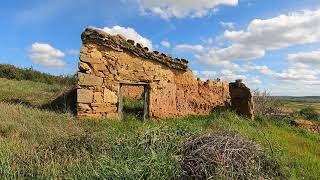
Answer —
298 72
129 33
229 25
46 55
183 8
269 34
310 58
296 88
189 48
166 44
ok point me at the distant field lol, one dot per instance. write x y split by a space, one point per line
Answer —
42 144
298 103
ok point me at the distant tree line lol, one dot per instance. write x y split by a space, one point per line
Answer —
11 72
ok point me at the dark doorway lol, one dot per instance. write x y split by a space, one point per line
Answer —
133 101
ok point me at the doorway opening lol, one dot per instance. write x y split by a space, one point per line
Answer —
133 101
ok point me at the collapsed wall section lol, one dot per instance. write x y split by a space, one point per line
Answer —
241 99
110 62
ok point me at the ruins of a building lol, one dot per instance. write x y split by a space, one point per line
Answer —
108 64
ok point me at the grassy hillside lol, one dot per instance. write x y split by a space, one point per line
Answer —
39 143
11 72
28 92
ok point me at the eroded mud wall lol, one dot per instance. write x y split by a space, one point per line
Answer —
106 62
241 99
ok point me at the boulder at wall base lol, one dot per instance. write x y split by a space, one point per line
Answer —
308 125
302 123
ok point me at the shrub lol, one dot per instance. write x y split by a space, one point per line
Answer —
310 113
265 104
224 155
12 72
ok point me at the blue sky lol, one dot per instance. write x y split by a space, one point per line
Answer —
273 45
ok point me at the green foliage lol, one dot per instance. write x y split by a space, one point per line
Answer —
310 113
12 72
133 108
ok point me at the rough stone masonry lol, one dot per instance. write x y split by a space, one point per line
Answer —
110 63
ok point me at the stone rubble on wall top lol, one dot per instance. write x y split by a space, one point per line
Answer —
119 43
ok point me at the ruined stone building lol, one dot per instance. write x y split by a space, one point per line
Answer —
110 64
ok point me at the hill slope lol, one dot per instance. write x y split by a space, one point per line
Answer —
39 143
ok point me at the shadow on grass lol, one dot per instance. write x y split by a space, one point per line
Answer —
17 101
64 102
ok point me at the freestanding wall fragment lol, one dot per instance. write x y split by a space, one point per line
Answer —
110 63
241 99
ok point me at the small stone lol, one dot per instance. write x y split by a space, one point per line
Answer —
84 107
130 41
110 97
185 61
89 116
84 50
112 116
99 67
139 45
89 80
97 97
96 55
84 96
84 67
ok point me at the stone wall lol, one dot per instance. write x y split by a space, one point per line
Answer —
133 92
110 62
241 99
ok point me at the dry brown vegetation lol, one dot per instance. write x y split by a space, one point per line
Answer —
226 155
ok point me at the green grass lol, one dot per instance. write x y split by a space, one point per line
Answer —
42 144
29 92
297 106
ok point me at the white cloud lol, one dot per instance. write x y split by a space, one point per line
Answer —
189 48
166 44
46 55
295 88
229 25
310 58
270 34
298 72
224 74
252 67
207 60
183 8
129 33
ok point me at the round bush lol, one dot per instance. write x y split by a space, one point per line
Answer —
310 113
222 155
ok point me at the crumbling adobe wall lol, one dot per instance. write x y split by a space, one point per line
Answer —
108 62
133 92
241 99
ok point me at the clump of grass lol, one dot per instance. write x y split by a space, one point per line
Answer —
133 108
310 113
